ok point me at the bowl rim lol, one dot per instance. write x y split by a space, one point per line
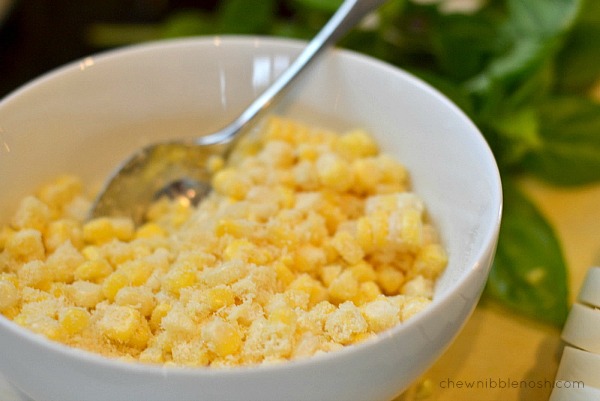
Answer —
489 241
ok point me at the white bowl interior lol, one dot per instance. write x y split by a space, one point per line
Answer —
86 117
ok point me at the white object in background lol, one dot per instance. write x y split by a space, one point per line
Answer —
575 394
579 366
590 290
579 371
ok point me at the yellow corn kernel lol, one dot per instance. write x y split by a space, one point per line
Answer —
344 287
34 274
60 231
345 323
281 236
430 261
411 231
61 191
190 354
347 247
236 228
392 171
380 315
309 258
355 144
286 316
73 320
230 183
367 292
284 274
367 175
113 283
278 154
363 271
138 271
220 297
413 307
104 229
85 294
5 234
26 245
93 270
178 278
329 273
307 152
32 213
221 337
119 323
149 230
312 287
91 252
286 197
157 315
10 295
140 337
10 277
334 172
246 251
152 355
361 337
215 163
139 298
389 279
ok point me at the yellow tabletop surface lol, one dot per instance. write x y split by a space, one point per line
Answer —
497 346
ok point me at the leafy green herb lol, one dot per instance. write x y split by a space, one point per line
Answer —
529 272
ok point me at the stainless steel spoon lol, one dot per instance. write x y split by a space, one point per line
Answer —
177 168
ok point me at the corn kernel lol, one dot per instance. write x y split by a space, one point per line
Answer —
367 292
245 251
149 230
329 273
119 323
179 278
284 274
228 182
159 312
380 315
140 337
345 323
221 337
138 271
309 258
104 229
334 172
355 144
220 297
215 163
5 234
34 274
32 213
73 320
113 283
389 279
286 316
309 285
26 245
93 270
139 298
10 295
363 271
236 228
85 294
411 230
344 287
58 193
348 247
430 261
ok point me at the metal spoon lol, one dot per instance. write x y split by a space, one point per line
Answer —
177 168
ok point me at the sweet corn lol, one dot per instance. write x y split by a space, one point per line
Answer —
93 270
119 323
301 249
220 297
73 320
221 337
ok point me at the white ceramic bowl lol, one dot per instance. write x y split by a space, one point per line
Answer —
87 116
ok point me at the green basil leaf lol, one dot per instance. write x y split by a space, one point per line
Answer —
246 16
577 64
529 272
328 6
462 44
569 149
534 31
187 23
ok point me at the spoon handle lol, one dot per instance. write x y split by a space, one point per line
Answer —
344 19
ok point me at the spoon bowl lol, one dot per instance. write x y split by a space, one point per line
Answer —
177 169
